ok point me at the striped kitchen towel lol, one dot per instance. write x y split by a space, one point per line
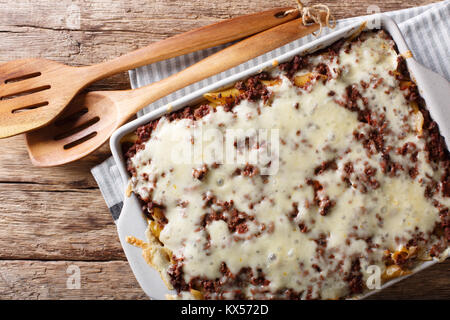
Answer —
426 30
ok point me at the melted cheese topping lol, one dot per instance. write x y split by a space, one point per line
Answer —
287 239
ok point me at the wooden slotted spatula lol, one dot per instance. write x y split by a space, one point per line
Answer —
91 118
33 92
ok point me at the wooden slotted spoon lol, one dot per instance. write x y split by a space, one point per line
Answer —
33 92
93 117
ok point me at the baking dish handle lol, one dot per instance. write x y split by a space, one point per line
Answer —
132 223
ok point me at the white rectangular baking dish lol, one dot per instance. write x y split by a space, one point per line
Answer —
433 88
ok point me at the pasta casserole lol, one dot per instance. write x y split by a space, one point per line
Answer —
351 175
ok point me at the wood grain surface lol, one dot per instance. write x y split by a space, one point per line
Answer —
55 218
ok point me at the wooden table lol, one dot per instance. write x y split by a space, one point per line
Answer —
52 218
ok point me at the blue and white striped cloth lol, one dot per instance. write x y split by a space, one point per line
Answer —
426 30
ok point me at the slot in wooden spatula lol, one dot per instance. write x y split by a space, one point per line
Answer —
91 119
33 92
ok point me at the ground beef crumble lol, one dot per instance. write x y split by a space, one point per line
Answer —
326 165
322 201
214 288
354 278
292 67
435 146
253 89
199 173
248 171
235 219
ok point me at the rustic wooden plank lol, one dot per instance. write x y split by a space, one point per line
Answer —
56 224
138 15
48 280
15 166
145 11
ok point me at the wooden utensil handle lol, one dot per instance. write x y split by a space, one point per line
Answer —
198 39
225 59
